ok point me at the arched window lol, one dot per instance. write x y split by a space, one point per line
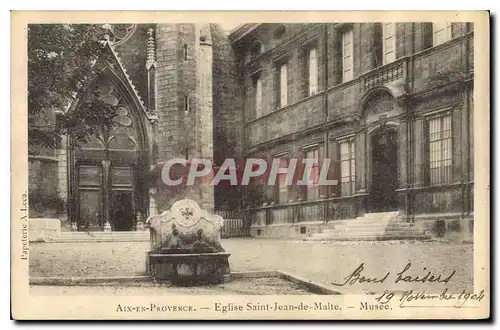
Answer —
279 32
257 49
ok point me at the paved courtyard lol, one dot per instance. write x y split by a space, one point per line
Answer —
323 261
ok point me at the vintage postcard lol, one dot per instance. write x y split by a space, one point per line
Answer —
250 165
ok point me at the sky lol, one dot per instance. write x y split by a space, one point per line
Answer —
228 26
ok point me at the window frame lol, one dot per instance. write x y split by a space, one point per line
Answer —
444 143
385 37
257 95
446 27
281 188
312 191
348 32
280 94
351 166
313 72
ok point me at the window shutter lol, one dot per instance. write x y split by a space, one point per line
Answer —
400 34
389 44
283 85
313 72
426 36
378 52
347 55
258 97
334 173
337 57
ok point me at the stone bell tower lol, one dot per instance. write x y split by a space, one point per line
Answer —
184 105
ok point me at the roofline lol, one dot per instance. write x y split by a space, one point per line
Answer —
241 31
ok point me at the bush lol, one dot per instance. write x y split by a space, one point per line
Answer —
45 201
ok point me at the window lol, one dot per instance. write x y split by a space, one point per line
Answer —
185 52
256 49
312 192
441 32
186 103
279 32
347 55
281 183
313 72
347 167
256 192
389 42
258 96
283 85
440 150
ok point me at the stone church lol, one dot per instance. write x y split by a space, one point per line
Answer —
389 103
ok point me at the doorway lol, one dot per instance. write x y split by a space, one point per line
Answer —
383 194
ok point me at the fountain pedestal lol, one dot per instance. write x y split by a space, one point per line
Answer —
185 246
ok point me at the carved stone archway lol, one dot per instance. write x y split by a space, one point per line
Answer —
109 172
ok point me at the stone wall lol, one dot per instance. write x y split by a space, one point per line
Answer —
133 56
410 76
184 102
228 114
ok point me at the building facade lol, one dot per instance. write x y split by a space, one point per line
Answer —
174 89
390 104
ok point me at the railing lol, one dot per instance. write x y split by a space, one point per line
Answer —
324 210
236 223
384 74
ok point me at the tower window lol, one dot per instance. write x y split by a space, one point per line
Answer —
186 103
185 52
258 96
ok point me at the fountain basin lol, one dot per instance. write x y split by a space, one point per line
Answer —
189 268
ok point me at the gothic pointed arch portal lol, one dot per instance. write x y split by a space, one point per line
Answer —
108 172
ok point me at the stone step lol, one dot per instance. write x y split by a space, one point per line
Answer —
369 232
371 226
358 223
371 238
126 236
103 233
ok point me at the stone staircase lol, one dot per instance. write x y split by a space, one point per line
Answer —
370 227
101 236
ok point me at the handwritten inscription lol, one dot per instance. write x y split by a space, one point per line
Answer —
412 297
357 277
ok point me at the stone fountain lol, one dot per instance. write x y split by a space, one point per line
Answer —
185 246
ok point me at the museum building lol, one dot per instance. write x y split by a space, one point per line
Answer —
390 104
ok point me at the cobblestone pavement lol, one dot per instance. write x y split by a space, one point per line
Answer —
323 261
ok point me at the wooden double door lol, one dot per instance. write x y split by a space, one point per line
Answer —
106 193
383 196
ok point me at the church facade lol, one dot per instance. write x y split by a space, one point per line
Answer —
390 104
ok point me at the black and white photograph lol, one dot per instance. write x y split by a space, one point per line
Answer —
314 170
